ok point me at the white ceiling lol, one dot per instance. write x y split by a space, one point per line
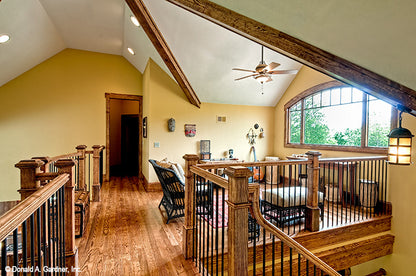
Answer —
206 52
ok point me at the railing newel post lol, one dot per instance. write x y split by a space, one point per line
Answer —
238 207
28 180
312 208
188 227
81 165
71 251
96 186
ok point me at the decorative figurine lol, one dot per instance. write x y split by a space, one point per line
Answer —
171 125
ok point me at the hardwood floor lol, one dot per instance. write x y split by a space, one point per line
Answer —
127 234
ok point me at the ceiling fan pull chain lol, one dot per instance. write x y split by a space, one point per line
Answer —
262 91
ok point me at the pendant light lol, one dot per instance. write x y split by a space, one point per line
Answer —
400 144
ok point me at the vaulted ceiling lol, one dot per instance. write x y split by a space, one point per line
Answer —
206 52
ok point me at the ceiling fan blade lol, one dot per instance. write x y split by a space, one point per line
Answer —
281 72
245 70
252 75
272 65
269 79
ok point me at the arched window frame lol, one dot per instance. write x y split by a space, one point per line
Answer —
318 88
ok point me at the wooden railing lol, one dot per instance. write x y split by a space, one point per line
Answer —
88 168
38 234
216 249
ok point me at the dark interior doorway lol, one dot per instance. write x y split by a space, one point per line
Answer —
130 145
124 135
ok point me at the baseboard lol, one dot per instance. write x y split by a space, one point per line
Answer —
152 186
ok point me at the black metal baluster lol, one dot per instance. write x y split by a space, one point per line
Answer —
32 239
385 186
223 232
264 245
44 221
3 257
63 224
339 196
24 245
307 267
49 222
210 217
38 239
299 264
195 224
366 187
59 222
216 229
254 256
15 250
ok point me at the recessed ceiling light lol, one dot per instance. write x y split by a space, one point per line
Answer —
134 20
131 51
4 38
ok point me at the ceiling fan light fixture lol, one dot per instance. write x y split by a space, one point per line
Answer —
261 78
134 20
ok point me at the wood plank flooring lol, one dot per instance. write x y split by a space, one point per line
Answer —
127 235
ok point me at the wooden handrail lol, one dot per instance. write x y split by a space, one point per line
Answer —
253 164
351 159
254 195
17 215
63 156
220 181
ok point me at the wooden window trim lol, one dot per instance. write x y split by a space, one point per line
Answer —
364 129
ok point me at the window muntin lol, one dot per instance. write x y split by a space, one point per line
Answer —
334 117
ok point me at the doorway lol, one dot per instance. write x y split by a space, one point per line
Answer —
124 135
130 145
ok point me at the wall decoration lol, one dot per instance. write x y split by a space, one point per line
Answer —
171 125
190 130
145 127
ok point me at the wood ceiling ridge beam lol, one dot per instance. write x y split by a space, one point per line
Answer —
153 33
314 57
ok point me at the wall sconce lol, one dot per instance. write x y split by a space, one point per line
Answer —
251 135
400 143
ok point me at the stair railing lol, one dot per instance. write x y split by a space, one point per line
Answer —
216 250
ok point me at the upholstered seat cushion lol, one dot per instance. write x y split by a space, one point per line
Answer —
287 196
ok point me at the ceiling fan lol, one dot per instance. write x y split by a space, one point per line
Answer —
263 71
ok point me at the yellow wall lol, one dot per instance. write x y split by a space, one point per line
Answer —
57 105
168 101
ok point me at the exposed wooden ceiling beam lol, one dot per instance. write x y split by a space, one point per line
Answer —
152 31
318 59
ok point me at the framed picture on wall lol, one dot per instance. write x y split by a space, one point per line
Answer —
145 127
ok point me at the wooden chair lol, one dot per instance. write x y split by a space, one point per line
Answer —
173 199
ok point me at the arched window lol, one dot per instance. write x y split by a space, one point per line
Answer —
334 116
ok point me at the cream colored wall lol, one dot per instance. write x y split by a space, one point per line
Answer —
402 185
57 105
168 101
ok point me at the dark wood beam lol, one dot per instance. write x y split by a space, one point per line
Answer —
152 31
318 59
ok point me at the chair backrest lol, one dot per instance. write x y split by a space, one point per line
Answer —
172 187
